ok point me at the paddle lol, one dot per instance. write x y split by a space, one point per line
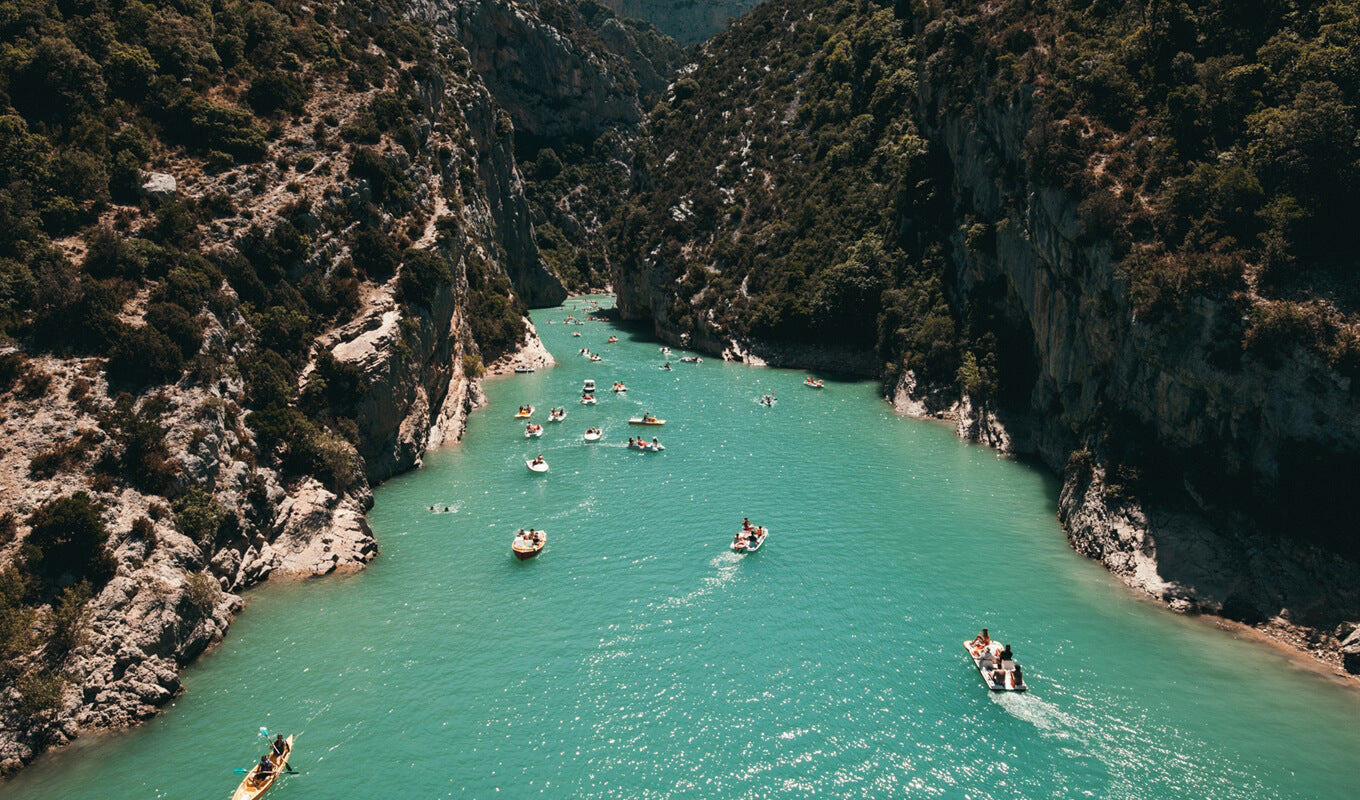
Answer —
287 769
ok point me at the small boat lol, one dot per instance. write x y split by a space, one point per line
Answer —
647 447
692 360
985 659
594 435
557 415
814 383
528 544
255 784
768 401
536 466
533 431
613 340
646 419
619 387
523 413
749 540
575 333
665 351
523 370
587 399
594 357
588 387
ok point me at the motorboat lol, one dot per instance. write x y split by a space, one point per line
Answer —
646 419
524 412
749 540
528 544
812 382
588 387
533 431
593 435
536 465
987 659
557 415
587 399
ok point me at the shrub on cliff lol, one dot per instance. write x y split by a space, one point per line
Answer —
67 542
199 516
423 273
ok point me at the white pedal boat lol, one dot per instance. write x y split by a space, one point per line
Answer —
986 667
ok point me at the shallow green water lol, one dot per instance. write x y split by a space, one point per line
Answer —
638 658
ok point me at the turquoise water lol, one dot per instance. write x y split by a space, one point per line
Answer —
637 657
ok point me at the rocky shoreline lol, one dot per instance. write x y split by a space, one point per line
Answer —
1300 598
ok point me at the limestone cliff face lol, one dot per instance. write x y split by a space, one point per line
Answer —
1233 431
172 595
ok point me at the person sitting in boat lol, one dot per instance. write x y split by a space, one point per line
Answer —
666 366
1005 654
746 523
538 459
983 639
655 443
264 769
1017 677
278 748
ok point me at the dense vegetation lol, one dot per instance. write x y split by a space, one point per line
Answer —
1213 144
788 194
327 102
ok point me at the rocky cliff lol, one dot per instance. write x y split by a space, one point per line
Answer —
1230 435
205 485
687 21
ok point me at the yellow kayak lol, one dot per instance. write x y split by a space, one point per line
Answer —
255 784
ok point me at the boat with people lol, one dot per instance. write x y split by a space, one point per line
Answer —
596 357
995 663
749 538
532 431
692 360
646 419
537 464
588 386
528 544
524 412
557 415
813 382
619 387
260 778
768 400
593 434
587 399
647 447
575 333
613 340
665 351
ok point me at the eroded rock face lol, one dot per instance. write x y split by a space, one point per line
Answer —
1184 386
686 21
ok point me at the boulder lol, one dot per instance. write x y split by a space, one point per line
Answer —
1350 652
159 185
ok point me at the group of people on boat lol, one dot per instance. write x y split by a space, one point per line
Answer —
813 382
748 536
529 538
594 432
538 459
641 444
619 387
557 414
996 661
533 430
768 400
270 762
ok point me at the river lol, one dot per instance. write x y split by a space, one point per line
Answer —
638 657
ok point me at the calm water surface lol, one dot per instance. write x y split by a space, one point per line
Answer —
637 657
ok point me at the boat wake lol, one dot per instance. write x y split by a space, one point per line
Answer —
726 566
1038 712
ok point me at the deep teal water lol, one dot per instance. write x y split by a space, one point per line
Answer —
638 658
